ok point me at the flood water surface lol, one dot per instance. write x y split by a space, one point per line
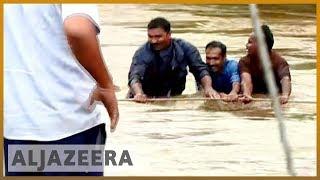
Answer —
193 138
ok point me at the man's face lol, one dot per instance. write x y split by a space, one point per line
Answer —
215 59
252 45
159 38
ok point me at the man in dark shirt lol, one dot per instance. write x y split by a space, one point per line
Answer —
159 67
252 76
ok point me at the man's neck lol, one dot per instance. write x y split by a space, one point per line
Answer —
219 69
168 46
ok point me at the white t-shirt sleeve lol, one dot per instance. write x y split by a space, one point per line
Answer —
89 11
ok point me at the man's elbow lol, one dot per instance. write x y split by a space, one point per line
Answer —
78 27
286 79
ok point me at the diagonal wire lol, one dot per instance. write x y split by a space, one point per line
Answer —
264 56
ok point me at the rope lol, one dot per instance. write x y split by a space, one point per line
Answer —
209 99
264 56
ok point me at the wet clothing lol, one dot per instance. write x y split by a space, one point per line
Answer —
163 74
222 81
254 67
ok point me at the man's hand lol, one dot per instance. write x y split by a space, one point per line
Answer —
206 82
284 99
247 87
232 97
211 93
245 98
223 96
83 41
109 100
140 98
286 89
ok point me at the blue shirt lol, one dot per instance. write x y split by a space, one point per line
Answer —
164 73
222 81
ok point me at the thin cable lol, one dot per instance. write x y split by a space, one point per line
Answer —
209 99
264 56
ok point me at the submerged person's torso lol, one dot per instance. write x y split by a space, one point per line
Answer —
257 72
222 81
165 76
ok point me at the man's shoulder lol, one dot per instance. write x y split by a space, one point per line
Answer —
277 58
232 64
143 49
231 61
179 40
182 43
143 53
244 64
245 59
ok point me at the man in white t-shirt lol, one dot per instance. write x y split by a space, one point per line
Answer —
52 62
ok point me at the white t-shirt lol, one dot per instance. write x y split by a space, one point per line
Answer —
45 88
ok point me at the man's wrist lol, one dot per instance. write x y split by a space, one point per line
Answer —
139 93
105 86
134 81
233 93
207 87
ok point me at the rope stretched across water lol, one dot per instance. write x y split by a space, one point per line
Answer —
209 99
264 56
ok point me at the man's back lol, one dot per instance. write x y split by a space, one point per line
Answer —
45 87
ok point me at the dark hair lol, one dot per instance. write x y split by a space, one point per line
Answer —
217 44
160 22
268 36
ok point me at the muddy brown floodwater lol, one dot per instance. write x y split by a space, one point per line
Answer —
183 138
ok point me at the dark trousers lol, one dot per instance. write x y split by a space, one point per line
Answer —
92 136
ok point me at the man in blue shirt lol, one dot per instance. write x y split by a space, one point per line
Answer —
224 72
159 67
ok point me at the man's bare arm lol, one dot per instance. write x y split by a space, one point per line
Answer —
139 95
235 88
206 83
82 38
286 89
246 83
233 95
247 87
137 88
